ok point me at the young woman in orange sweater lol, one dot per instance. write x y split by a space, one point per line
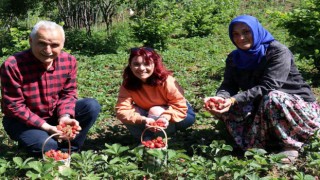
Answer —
150 93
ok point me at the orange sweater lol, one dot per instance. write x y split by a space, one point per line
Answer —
168 94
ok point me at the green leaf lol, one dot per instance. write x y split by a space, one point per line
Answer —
115 160
157 153
255 165
227 147
36 165
115 149
67 171
309 177
253 177
171 154
2 170
18 161
105 157
255 151
32 175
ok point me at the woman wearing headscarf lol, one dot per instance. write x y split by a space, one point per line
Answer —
263 97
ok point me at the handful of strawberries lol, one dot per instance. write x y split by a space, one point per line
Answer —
68 130
154 143
158 123
214 103
56 155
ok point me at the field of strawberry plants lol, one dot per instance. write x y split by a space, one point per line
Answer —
204 151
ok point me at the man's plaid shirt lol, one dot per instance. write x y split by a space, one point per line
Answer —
32 94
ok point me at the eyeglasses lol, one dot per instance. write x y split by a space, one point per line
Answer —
132 50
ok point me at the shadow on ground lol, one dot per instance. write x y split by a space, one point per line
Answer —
187 140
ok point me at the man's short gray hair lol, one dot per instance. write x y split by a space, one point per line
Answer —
47 25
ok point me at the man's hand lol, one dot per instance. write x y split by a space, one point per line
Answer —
66 120
49 128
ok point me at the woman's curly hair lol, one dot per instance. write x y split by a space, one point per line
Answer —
159 75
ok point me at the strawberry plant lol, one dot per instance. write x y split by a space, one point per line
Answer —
4 167
41 170
85 163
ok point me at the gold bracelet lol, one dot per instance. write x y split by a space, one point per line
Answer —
233 100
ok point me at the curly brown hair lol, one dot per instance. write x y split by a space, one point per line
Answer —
159 75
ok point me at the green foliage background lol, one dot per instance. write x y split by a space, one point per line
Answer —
303 25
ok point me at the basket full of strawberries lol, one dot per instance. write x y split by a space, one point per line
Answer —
68 132
57 155
155 150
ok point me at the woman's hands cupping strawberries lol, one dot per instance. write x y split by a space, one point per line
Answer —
161 122
217 105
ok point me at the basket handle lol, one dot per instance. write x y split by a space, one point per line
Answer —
46 141
157 127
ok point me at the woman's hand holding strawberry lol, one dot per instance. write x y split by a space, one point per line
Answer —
160 122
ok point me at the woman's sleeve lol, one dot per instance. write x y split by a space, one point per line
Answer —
177 104
275 73
228 87
125 110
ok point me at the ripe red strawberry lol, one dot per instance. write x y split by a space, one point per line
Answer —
151 145
157 145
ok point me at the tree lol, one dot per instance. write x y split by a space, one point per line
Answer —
304 27
12 10
75 13
154 21
78 14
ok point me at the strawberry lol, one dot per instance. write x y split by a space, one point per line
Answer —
151 145
65 155
159 138
158 145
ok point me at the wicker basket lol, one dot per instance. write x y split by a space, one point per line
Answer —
152 163
65 161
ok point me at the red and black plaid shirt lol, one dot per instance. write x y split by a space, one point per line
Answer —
33 94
